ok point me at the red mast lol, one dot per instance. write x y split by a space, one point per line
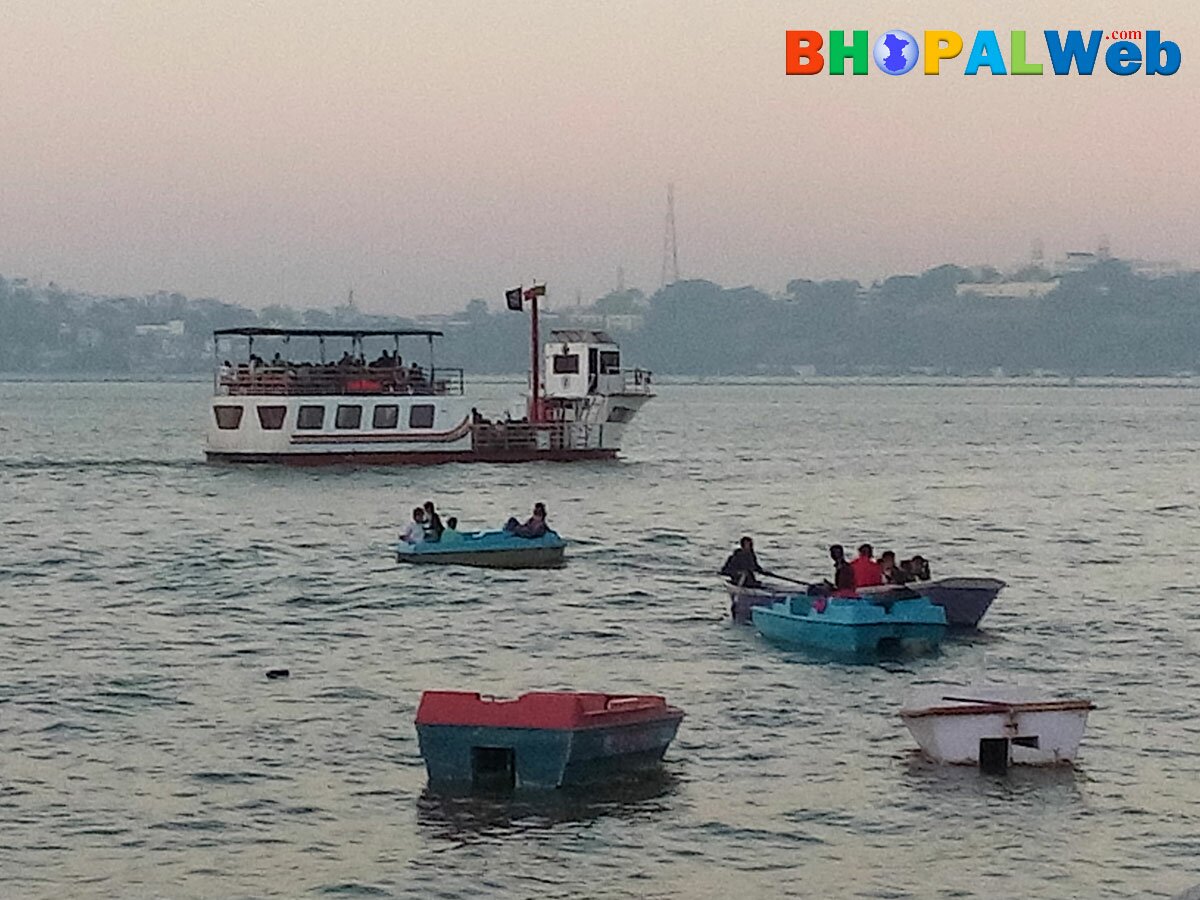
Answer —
535 409
535 400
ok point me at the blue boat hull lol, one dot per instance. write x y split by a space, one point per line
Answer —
462 757
854 628
488 549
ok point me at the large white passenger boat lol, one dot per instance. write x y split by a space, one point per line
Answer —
391 411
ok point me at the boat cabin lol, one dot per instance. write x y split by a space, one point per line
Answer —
580 363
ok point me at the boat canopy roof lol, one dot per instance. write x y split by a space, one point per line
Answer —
581 336
327 332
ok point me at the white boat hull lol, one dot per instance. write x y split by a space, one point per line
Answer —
956 728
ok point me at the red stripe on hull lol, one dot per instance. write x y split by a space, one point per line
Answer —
421 458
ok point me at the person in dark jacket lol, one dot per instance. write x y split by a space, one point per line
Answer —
843 572
742 566
433 523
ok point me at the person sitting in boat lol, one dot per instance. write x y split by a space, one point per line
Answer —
433 523
414 533
742 567
451 534
533 527
867 571
891 572
916 569
843 572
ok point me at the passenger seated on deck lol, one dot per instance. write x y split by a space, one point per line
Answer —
843 572
916 569
891 573
451 534
534 527
867 572
433 523
414 533
742 566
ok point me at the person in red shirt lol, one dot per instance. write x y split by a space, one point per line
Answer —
867 572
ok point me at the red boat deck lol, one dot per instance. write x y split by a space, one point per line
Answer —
559 710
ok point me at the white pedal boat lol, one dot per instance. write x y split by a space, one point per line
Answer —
995 726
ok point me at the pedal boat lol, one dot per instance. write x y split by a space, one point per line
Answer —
995 726
854 626
487 549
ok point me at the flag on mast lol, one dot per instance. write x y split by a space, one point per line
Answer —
513 298
538 290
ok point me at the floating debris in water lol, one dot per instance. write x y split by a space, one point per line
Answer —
278 673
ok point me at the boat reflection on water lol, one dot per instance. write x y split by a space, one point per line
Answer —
1033 785
462 816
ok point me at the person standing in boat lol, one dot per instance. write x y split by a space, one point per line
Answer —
867 571
433 523
742 567
414 533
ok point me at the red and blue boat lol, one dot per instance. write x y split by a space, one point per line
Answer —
541 740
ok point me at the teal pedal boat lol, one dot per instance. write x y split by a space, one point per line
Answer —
488 549
854 626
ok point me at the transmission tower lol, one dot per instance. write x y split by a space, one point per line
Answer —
670 259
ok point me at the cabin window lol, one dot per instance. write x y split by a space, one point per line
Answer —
610 362
420 415
271 417
566 364
348 416
387 415
310 418
228 417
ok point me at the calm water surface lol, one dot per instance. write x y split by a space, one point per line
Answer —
145 594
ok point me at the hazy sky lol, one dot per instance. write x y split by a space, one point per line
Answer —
428 152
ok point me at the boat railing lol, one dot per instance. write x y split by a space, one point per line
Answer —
523 435
636 381
337 380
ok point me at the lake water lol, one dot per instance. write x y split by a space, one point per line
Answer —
144 594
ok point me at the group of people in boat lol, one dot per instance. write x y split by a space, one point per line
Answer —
867 571
387 369
427 527
742 568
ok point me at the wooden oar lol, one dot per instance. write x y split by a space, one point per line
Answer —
785 578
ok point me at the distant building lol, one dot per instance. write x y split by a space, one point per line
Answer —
174 328
1006 290
1080 261
619 322
1156 268
1076 261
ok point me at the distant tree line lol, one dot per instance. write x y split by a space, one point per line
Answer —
1100 321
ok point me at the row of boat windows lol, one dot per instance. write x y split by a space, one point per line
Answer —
347 417
568 363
